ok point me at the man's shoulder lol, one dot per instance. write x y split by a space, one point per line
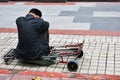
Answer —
20 19
44 21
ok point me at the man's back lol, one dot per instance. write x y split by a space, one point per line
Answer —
32 37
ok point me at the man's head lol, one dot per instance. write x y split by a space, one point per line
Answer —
35 12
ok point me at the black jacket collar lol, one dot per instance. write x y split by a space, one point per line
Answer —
29 16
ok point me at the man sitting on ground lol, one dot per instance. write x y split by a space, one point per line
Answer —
33 36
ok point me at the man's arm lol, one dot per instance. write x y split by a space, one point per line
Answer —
44 27
19 20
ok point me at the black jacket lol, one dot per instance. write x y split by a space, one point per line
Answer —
33 38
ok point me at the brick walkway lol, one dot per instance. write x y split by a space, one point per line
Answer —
101 54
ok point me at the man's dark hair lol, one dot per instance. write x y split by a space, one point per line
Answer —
36 12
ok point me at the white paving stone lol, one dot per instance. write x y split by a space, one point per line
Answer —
86 4
106 14
84 71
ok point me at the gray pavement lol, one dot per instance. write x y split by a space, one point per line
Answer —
77 16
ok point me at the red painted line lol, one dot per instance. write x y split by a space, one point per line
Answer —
85 32
73 76
44 74
4 71
38 3
101 2
57 75
8 30
72 32
7 3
